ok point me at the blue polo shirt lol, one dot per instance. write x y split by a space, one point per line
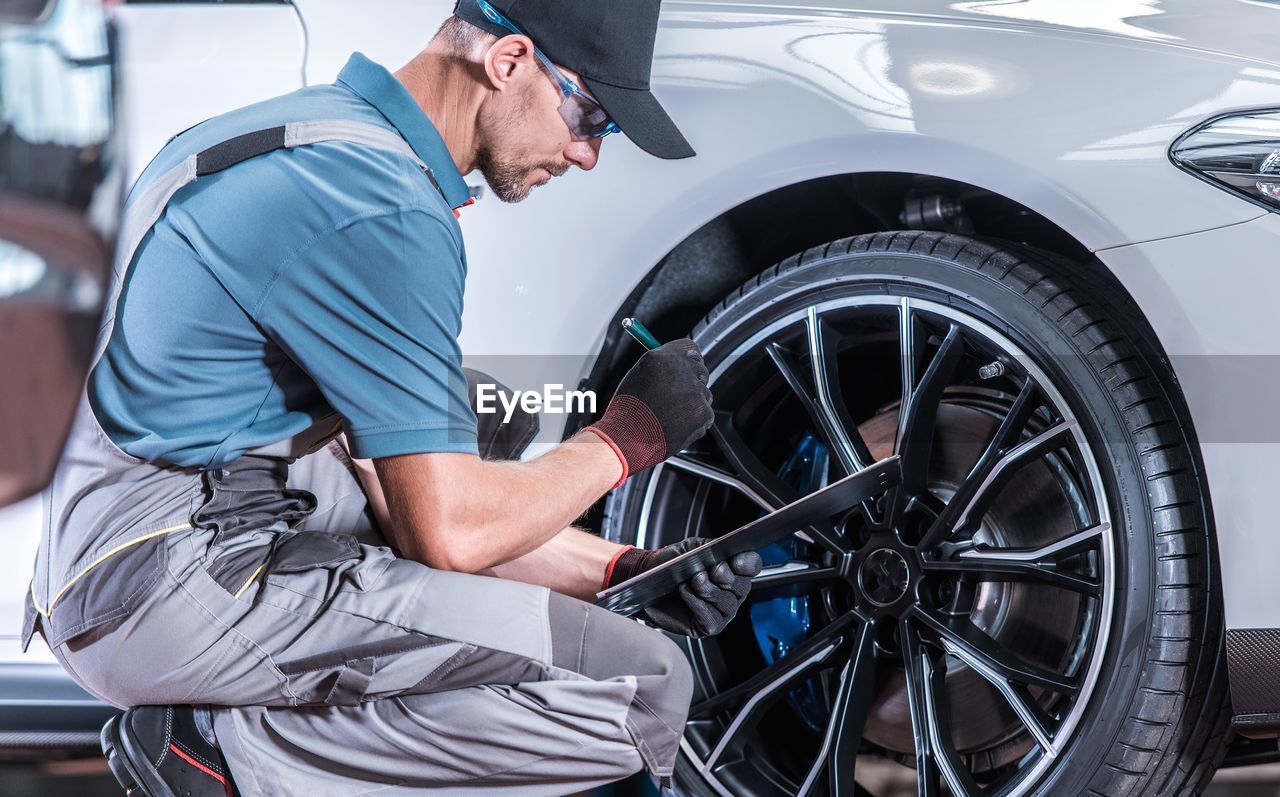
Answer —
321 279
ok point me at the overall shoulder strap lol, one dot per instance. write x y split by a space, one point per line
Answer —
143 212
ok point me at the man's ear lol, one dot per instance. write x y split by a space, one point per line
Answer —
505 60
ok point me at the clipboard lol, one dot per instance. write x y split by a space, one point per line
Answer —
636 593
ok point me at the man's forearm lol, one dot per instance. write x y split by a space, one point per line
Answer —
457 512
572 562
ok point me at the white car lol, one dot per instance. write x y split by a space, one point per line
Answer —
1029 245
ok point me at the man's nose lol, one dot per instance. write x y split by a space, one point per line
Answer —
583 154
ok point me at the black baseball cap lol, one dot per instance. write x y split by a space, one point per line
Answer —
610 44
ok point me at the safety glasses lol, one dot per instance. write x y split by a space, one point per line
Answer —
585 117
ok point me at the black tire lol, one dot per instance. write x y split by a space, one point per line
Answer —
1158 719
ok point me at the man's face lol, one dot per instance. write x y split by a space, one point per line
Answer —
523 140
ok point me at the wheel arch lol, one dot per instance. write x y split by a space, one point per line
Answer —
747 237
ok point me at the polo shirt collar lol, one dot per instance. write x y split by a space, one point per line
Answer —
378 87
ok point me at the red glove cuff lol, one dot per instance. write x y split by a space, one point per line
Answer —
608 571
634 431
621 458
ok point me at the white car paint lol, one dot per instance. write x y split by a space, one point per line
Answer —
1211 296
182 63
389 31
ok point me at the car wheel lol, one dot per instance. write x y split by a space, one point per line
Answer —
1035 610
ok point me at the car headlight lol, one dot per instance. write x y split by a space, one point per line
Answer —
1239 152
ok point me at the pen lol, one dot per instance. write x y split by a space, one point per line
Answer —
641 334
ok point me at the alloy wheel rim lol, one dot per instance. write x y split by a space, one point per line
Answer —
896 581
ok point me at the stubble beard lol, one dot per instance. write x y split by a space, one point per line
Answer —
507 176
508 179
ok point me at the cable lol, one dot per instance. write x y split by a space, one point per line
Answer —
306 39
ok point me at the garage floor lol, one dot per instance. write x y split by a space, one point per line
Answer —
89 779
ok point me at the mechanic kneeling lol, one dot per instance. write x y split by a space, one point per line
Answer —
295 269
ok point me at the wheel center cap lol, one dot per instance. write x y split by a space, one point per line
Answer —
884 576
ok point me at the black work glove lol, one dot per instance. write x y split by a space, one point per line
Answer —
661 406
703 605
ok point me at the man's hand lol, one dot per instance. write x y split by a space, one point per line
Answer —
661 406
703 605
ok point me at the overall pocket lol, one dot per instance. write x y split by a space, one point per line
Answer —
350 675
248 508
250 494
98 598
308 569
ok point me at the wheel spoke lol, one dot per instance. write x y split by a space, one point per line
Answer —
919 694
1006 434
1019 698
1004 469
960 634
849 714
750 470
849 709
851 450
758 703
850 447
1022 572
781 671
907 364
1033 565
782 359
790 574
1069 546
689 465
938 714
820 411
997 465
936 756
921 411
756 477
827 537
918 420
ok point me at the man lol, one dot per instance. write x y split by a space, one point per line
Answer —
294 269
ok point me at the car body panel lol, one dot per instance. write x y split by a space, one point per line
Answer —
182 63
390 32
771 122
1213 295
1244 28
1105 188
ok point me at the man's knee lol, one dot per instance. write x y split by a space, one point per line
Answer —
600 645
669 690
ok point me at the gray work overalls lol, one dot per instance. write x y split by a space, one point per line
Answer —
264 588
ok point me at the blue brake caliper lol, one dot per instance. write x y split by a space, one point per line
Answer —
782 624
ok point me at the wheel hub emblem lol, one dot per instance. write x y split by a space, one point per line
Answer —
884 577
